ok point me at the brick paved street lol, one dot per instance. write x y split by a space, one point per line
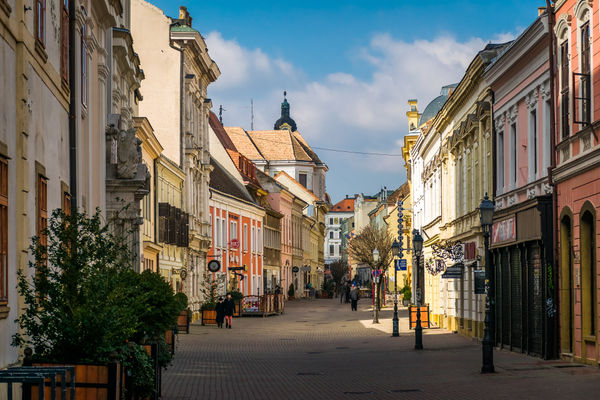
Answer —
319 349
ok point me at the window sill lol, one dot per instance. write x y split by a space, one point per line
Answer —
40 50
5 7
4 309
589 338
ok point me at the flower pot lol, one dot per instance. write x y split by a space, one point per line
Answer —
91 382
237 311
209 317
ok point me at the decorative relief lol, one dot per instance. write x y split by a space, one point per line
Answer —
531 192
546 188
532 99
565 153
499 122
512 114
512 200
545 90
586 141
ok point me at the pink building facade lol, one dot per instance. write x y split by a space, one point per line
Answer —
282 201
522 239
577 176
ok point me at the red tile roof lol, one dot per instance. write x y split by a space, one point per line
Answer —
346 205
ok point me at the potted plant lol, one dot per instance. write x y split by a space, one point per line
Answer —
184 317
406 295
237 297
291 292
209 289
85 306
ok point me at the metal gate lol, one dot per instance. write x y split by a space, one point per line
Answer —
516 298
535 304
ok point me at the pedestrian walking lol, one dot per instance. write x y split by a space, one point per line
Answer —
229 308
354 296
348 289
220 309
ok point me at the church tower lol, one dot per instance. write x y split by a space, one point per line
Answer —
285 122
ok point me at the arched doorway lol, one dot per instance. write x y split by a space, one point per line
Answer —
587 232
566 285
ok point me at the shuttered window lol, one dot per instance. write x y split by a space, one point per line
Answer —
564 89
42 209
64 41
3 230
163 222
84 64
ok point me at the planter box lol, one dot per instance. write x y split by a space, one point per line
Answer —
209 317
97 382
237 311
183 322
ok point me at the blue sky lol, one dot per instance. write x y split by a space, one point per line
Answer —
348 66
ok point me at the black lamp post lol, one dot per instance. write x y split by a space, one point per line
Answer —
417 248
376 281
395 252
486 210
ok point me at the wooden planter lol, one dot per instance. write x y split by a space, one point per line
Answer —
93 382
209 317
237 311
183 322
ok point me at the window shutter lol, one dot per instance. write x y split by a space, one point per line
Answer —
163 226
172 226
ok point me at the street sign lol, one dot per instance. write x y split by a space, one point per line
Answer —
401 265
453 272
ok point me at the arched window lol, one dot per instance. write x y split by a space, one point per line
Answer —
587 244
566 283
562 30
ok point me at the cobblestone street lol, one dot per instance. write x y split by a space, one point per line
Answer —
319 349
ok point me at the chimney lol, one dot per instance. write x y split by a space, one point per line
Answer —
541 10
184 16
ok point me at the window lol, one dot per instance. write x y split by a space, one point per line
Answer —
259 241
533 145
224 233
302 178
564 88
330 221
66 205
253 239
513 153
64 41
245 237
584 77
39 17
331 235
233 230
42 208
84 72
500 162
331 250
3 230
218 233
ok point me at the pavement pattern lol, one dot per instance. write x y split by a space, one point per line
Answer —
319 349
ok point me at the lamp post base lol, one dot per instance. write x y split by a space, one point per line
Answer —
418 330
395 331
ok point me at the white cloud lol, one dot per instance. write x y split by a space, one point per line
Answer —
343 110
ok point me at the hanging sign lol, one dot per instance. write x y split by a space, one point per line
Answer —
453 272
295 269
214 266
401 265
504 231
479 281
234 244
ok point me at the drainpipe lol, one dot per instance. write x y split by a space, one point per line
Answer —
72 111
551 20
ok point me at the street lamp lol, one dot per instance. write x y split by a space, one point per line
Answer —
396 249
486 212
417 248
376 280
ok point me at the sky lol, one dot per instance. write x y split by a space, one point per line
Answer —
349 68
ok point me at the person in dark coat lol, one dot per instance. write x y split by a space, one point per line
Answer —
220 309
229 307
348 290
354 296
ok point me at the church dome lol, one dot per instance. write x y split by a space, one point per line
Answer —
285 122
436 104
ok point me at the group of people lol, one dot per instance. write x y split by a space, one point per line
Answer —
225 309
351 294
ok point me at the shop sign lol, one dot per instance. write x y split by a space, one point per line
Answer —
453 272
295 269
470 251
234 244
504 231
251 304
479 281
214 266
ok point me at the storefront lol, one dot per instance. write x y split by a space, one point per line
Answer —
525 292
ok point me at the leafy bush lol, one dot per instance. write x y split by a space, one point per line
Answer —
236 295
83 303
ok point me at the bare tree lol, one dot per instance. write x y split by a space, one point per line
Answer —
361 249
338 268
